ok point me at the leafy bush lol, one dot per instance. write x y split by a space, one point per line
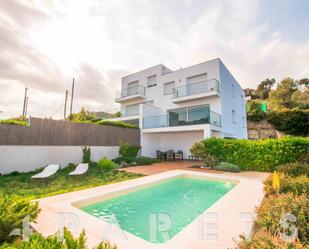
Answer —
143 160
128 152
274 207
21 121
37 241
265 240
295 169
297 185
12 213
260 155
82 116
229 167
106 164
254 111
199 150
291 122
85 116
86 154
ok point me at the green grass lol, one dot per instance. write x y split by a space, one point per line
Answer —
17 184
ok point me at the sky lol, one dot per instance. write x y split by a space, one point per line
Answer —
44 44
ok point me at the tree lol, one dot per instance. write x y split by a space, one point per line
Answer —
281 98
264 88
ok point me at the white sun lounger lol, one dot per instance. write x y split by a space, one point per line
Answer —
50 170
81 169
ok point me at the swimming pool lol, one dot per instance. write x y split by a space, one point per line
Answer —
181 199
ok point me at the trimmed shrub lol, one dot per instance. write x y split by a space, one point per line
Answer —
12 213
297 185
106 164
37 241
260 155
229 167
128 153
295 169
274 207
143 160
265 240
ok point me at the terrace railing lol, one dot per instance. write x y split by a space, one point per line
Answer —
130 91
189 117
196 88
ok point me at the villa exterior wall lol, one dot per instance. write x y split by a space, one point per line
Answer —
29 158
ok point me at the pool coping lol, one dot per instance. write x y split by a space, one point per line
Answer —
218 227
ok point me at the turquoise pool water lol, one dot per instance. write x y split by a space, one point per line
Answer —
182 199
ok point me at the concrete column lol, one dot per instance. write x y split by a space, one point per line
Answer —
207 132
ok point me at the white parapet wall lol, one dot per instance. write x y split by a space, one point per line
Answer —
29 158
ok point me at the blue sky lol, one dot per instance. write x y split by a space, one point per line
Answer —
44 44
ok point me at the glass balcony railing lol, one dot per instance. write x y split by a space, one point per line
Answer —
130 91
130 110
181 118
196 88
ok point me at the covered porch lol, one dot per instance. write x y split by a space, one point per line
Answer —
178 138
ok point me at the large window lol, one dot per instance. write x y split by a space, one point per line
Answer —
169 87
151 81
189 115
233 116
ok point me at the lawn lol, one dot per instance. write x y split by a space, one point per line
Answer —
17 184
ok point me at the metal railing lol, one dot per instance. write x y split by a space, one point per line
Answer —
130 91
188 117
196 88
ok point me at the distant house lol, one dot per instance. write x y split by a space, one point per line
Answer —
174 109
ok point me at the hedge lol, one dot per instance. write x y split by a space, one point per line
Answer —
261 155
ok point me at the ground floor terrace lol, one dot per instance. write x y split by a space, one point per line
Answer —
177 138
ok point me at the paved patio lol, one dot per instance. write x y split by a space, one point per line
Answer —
187 165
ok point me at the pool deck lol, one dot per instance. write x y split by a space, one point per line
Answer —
187 165
218 227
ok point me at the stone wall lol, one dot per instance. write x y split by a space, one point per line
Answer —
262 130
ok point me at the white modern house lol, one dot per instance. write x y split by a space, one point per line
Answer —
174 109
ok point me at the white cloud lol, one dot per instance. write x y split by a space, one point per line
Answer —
98 42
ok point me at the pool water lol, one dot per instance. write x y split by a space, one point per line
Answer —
182 199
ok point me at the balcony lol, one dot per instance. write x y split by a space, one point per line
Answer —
189 116
131 93
196 91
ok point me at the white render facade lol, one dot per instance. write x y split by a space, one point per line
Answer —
175 109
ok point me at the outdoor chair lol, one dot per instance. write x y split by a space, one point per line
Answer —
161 155
80 170
170 155
47 172
179 155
